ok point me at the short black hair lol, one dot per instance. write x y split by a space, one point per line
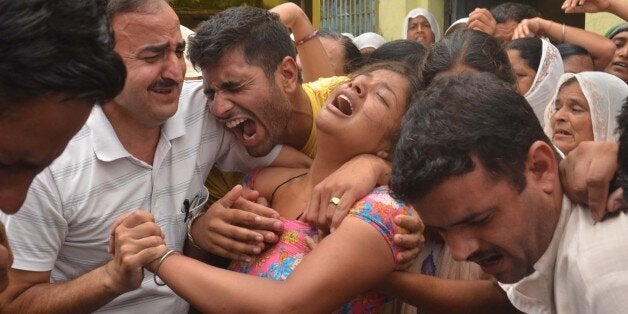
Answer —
50 47
530 49
264 40
567 50
411 52
353 57
512 11
468 48
458 117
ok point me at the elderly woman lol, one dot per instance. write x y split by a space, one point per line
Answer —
420 25
584 109
538 66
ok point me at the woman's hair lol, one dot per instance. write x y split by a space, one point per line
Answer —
530 49
567 50
353 57
408 51
471 49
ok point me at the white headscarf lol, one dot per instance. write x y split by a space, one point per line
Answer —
546 79
605 94
428 16
369 40
464 20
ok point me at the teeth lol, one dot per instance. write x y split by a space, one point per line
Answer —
246 137
347 100
235 122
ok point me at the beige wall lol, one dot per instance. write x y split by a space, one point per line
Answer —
392 13
600 22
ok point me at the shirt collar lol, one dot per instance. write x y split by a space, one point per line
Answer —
108 147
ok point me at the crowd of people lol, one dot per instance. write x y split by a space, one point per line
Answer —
257 164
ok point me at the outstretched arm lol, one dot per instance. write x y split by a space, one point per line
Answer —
31 291
340 268
436 295
617 7
314 61
601 48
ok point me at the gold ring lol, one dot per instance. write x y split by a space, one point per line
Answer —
335 200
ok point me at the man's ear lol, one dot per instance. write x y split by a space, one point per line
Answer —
541 166
288 74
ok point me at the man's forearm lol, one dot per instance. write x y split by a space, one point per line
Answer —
84 294
436 295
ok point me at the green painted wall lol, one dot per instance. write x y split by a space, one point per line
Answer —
600 22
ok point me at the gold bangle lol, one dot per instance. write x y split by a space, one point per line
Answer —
563 32
189 233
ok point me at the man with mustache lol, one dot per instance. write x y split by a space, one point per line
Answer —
475 163
145 149
50 78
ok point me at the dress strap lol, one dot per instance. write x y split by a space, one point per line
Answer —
272 196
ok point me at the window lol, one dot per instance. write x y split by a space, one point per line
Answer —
349 16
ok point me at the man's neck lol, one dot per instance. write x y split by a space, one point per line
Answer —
138 139
301 122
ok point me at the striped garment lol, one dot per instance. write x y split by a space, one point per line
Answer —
65 221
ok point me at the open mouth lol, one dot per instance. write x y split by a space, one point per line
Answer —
620 64
343 103
561 132
490 263
242 126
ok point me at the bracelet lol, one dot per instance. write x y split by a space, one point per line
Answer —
563 38
305 39
189 233
156 273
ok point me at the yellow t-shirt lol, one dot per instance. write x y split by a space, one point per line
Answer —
219 182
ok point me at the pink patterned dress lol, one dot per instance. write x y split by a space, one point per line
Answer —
378 209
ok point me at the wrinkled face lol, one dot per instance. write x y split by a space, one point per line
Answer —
578 63
253 107
419 29
362 114
571 122
151 47
504 31
336 53
31 137
525 74
488 222
619 64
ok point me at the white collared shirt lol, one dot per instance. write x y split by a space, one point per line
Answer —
584 269
65 222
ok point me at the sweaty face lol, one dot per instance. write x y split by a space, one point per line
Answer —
578 63
525 74
253 107
31 137
151 47
419 29
571 122
361 115
619 65
488 222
